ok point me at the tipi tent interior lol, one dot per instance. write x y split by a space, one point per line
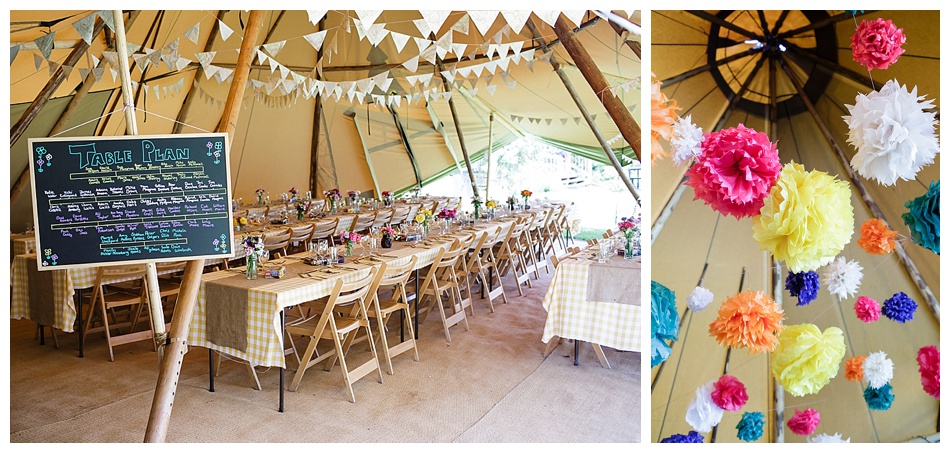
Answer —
371 101
726 68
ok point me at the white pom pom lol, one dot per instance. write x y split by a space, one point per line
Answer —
878 369
702 413
699 299
892 133
842 277
686 141
829 439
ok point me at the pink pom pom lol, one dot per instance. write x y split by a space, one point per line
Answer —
877 44
867 309
729 394
928 357
736 170
804 422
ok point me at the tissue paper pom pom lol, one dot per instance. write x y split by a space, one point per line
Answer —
735 171
806 359
686 140
702 413
923 219
748 319
854 368
878 369
804 422
826 438
842 277
892 133
699 299
663 114
867 309
806 220
899 308
877 44
928 359
729 394
879 399
751 426
877 238
692 438
664 323
803 285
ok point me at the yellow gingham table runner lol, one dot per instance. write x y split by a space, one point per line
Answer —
571 316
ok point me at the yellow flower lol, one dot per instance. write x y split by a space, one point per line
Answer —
490 204
427 212
420 218
243 220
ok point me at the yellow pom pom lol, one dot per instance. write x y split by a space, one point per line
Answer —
806 359
807 218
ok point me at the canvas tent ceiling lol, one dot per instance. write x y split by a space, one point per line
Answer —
179 55
695 235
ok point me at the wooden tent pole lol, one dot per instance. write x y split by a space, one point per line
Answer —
869 202
315 128
668 209
584 113
181 320
190 93
712 18
706 67
736 97
458 128
614 106
778 392
491 122
405 143
633 45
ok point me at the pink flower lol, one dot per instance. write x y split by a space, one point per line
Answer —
928 358
804 422
877 44
736 170
729 394
867 309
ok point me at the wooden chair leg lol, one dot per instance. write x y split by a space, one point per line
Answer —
600 355
553 343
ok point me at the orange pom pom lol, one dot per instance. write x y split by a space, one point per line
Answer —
854 368
877 238
748 319
662 117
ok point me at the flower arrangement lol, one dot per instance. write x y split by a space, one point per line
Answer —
348 238
332 195
630 228
490 204
877 44
511 202
387 198
446 213
352 193
388 233
253 251
526 194
301 208
240 222
260 195
293 193
422 217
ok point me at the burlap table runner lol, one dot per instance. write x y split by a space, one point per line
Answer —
617 281
42 304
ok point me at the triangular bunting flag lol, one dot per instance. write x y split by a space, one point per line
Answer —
412 64
547 121
284 71
377 33
14 50
111 57
223 73
210 70
575 16
488 78
512 84
141 60
360 30
483 20
52 67
445 42
434 19
423 28
473 82
169 61
365 85
368 16
516 46
462 25
316 39
429 54
84 26
385 85
192 33
97 73
447 95
155 57
224 30
83 72
274 64
182 63
577 120
412 80
204 58
262 57
516 18
314 15
274 48
115 74
441 52
593 117
547 16
472 54
473 91
380 79
172 48
459 49
499 35
399 40
425 79
564 121
107 17
45 44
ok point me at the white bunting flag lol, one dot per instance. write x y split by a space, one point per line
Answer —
459 49
368 16
182 63
193 33
412 64
274 48
575 16
548 16
423 28
425 79
84 26
377 33
462 25
386 82
225 31
483 20
429 54
516 18
434 19
204 58
45 44
399 40
316 39
365 85
97 73
315 15
106 15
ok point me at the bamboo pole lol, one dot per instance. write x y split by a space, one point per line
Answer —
909 267
177 346
614 106
585 114
491 122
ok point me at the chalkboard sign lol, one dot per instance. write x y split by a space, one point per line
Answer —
130 199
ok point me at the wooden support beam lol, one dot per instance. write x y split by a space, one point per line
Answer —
315 129
181 323
633 45
458 128
706 67
773 101
190 92
778 392
816 25
406 144
712 18
667 211
734 100
614 106
58 77
583 110
909 267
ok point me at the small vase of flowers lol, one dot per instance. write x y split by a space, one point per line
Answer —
630 228
333 196
253 249
388 233
476 204
260 195
240 222
526 194
349 238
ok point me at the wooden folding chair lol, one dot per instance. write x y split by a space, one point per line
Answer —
482 265
442 279
105 300
276 242
510 256
396 277
325 230
400 215
300 236
363 222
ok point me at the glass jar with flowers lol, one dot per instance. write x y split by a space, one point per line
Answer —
349 239
293 194
630 228
526 194
333 197
511 202
387 198
476 204
388 233
260 195
422 218
491 205
253 248
446 216
240 223
301 209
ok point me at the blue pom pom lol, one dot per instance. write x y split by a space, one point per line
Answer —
923 218
692 438
803 285
751 426
899 308
664 325
879 399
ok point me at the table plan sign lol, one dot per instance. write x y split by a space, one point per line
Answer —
130 199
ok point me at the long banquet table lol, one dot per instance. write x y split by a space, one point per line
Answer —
595 302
